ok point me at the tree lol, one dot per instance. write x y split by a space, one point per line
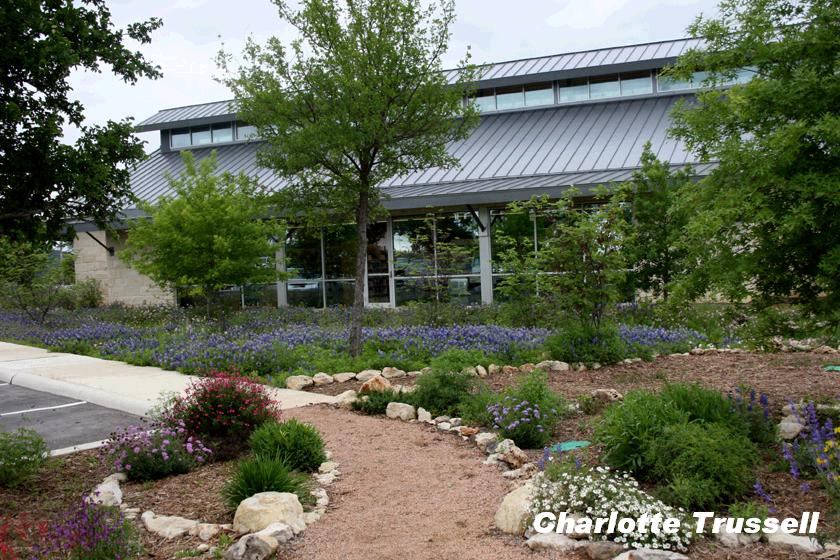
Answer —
31 278
44 182
359 98
765 223
654 251
211 234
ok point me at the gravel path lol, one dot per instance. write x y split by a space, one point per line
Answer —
405 492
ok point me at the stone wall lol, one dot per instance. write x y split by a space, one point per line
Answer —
120 283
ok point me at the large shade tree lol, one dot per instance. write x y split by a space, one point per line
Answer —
766 222
44 182
358 98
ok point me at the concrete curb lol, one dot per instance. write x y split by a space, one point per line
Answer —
75 391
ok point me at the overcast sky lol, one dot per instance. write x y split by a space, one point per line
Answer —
496 30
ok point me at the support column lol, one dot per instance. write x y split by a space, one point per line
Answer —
484 255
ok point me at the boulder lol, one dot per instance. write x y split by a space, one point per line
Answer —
552 366
734 540
322 379
107 493
512 515
444 426
486 441
252 547
797 543
607 396
344 377
392 373
527 368
400 411
367 374
824 350
346 399
467 431
510 370
439 419
298 382
375 384
167 526
789 428
650 554
603 550
261 510
424 415
511 454
278 531
553 541
480 371
494 369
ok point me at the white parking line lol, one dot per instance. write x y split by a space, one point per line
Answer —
43 408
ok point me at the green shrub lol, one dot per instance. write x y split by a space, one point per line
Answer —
376 402
534 388
702 405
264 474
576 342
455 360
590 406
298 444
745 510
473 409
441 391
702 464
22 453
628 428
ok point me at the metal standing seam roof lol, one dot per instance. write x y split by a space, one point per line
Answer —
523 152
566 62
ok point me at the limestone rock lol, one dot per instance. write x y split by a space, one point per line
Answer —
375 384
392 373
252 547
511 454
367 374
824 350
510 370
480 371
607 396
205 531
525 471
602 550
322 379
298 382
553 541
467 431
413 373
439 419
401 411
789 428
444 426
552 366
426 369
344 377
107 493
486 441
650 554
278 531
494 369
527 368
167 526
327 466
346 399
261 510
512 514
424 415
734 540
798 543
470 370
455 422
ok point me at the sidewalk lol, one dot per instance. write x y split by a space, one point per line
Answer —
111 384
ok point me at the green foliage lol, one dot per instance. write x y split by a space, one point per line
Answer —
211 234
702 464
440 391
43 181
375 403
85 294
473 409
590 406
264 474
22 453
763 224
582 342
299 445
338 120
528 411
628 429
456 359
31 278
653 250
746 510
700 404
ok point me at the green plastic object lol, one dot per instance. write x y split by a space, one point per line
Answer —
569 446
831 368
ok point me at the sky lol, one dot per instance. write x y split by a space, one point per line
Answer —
495 30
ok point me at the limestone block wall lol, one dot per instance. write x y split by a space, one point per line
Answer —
120 283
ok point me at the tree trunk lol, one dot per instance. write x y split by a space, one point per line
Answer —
361 269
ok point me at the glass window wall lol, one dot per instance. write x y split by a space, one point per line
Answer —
576 89
601 87
510 98
636 83
539 94
201 135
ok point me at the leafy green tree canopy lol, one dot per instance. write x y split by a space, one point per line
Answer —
765 222
358 98
210 234
42 181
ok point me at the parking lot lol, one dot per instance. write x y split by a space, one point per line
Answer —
64 423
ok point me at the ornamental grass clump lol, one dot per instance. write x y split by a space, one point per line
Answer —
154 451
597 493
298 444
90 532
264 474
223 410
22 453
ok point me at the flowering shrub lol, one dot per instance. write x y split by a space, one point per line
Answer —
19 533
89 532
21 455
816 451
597 492
152 452
754 412
523 422
223 409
